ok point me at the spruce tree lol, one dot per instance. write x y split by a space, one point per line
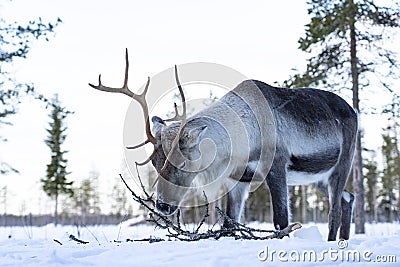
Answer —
391 173
345 39
16 40
371 193
119 200
391 157
55 183
86 198
393 110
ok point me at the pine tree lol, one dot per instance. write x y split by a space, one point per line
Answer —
86 197
55 183
4 195
258 205
371 193
345 37
15 42
391 173
119 200
303 203
393 110
391 156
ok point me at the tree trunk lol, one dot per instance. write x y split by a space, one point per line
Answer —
196 213
390 204
56 211
83 209
303 204
314 207
358 185
375 205
211 212
5 205
397 155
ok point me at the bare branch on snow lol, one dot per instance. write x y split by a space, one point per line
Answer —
238 231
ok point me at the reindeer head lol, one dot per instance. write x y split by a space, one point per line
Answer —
176 154
177 163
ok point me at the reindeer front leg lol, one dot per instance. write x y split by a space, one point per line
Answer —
276 180
235 202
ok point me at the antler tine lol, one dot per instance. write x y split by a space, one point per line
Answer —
147 160
124 89
141 98
126 69
176 117
181 117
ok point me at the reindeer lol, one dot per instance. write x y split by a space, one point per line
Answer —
256 132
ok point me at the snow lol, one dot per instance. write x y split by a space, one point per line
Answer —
309 233
35 246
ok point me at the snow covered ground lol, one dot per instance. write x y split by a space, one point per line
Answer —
36 246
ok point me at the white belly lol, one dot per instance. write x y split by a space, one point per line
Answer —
303 178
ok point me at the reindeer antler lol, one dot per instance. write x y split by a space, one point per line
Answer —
141 98
178 117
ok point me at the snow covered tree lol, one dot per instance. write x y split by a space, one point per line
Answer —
86 197
391 174
3 197
258 205
391 156
346 40
55 183
15 42
119 200
320 203
299 202
371 175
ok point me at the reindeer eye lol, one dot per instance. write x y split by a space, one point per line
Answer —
182 165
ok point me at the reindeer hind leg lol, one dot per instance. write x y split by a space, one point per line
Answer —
347 208
340 210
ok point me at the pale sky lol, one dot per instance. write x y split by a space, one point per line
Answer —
256 37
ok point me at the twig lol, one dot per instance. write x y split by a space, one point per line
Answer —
73 238
105 237
237 230
150 198
152 239
91 233
206 214
58 242
178 218
120 226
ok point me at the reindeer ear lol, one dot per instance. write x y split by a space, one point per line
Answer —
194 136
158 124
